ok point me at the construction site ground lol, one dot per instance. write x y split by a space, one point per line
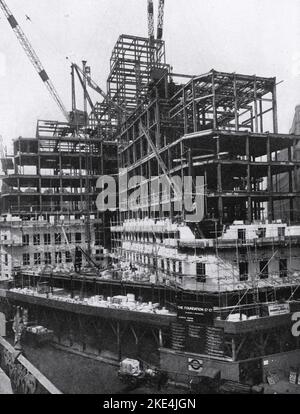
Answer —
75 374
282 387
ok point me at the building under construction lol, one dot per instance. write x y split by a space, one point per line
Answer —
48 200
227 283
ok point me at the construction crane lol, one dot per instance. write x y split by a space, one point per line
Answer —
160 23
151 20
92 84
33 57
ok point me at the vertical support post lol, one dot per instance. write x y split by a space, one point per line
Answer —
205 188
119 341
269 157
255 106
215 115
261 116
270 181
191 169
233 347
72 286
249 213
295 180
195 112
185 117
275 109
219 182
172 192
236 115
160 336
87 162
51 283
182 178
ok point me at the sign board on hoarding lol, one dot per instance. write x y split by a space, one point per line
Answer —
195 313
293 377
279 309
195 365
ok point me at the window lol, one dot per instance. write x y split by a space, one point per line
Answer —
48 260
264 269
283 271
68 257
201 273
58 257
163 265
174 266
26 259
262 232
69 237
37 259
6 260
242 235
78 237
36 240
244 271
57 238
47 239
281 232
25 239
180 267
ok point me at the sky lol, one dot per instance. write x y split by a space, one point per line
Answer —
259 37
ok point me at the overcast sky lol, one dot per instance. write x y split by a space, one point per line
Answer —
259 37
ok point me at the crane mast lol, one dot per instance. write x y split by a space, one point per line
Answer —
151 20
33 57
160 24
160 20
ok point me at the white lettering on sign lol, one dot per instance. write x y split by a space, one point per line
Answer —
296 326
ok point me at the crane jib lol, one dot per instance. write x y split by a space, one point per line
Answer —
32 57
12 21
44 76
